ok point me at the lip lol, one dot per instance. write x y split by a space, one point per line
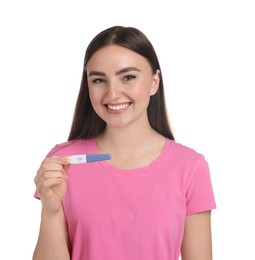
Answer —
117 107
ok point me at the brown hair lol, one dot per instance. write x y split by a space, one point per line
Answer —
86 123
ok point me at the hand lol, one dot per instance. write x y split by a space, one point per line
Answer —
50 183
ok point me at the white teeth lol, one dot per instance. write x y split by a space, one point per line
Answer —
118 107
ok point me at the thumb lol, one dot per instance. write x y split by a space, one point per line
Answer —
66 167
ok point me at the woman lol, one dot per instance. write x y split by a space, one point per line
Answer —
152 200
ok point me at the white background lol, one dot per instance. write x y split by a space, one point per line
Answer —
207 55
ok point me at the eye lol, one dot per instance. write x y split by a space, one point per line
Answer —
98 81
129 77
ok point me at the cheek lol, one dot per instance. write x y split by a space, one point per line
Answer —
94 95
142 92
95 99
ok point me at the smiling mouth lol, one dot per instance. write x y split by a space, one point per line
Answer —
118 106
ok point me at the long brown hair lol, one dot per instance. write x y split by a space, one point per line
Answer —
86 123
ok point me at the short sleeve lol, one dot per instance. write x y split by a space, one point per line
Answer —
199 193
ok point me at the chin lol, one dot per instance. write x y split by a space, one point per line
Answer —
118 124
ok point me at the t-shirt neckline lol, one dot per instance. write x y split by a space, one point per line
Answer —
142 170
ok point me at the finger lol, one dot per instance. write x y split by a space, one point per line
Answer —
49 174
51 166
66 168
57 159
49 183
42 173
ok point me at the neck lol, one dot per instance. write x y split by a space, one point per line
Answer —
127 134
128 138
131 146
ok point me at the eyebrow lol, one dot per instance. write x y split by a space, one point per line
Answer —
102 74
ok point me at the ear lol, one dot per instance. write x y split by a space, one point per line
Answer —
155 83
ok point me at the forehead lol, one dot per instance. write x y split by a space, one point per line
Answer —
116 57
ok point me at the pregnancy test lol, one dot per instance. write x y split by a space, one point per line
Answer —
87 158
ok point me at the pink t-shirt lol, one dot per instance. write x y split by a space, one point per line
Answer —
138 214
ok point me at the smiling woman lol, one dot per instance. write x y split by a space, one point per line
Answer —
86 122
153 199
120 84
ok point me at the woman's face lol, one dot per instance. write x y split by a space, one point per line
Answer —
120 84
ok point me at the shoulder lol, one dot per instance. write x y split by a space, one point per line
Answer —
183 153
191 168
77 146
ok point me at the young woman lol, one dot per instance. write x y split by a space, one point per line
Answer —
152 200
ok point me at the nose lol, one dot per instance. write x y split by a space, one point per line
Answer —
114 90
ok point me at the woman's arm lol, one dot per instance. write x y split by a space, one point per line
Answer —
53 242
197 241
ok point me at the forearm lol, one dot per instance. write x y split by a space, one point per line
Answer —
197 240
53 242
